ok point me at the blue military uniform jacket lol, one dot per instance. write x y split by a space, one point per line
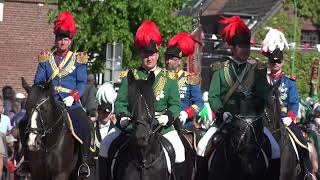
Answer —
189 90
289 95
289 101
71 76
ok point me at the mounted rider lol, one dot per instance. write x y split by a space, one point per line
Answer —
273 46
238 78
148 40
67 72
182 45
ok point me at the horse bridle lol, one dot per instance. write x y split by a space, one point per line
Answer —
249 125
150 117
43 129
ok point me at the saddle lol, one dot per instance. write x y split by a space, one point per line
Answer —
116 144
168 147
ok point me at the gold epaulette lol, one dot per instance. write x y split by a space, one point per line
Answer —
44 56
218 65
82 57
171 75
193 79
293 78
124 73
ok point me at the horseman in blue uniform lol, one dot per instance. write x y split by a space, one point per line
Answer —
182 45
273 46
67 72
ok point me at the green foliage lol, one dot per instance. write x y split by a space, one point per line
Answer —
307 9
99 23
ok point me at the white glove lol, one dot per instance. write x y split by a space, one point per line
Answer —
226 116
287 121
163 120
68 101
183 117
124 121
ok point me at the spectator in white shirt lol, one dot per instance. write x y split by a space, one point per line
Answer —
5 124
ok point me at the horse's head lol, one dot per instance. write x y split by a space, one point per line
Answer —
141 105
247 136
39 110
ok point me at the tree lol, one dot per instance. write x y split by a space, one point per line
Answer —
307 9
99 23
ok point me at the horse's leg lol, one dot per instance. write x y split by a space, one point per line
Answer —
289 161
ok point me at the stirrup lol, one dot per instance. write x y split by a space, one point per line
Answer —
87 166
308 175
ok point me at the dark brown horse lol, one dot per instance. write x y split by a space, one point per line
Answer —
52 150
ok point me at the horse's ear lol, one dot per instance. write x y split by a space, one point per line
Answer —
25 85
130 77
151 78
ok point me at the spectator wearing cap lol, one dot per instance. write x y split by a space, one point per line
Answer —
88 99
21 111
5 125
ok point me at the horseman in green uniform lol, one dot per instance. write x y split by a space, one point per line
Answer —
236 79
148 40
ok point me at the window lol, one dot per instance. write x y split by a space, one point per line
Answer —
1 9
310 37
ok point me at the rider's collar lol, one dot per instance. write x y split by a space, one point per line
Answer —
156 70
275 75
237 62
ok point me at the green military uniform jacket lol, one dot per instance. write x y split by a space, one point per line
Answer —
165 89
224 78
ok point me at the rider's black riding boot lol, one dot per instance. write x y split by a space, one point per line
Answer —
24 167
179 170
104 167
84 169
202 168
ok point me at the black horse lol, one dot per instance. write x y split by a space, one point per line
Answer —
52 150
244 152
141 156
289 166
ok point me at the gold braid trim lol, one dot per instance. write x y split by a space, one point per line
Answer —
68 68
160 85
227 75
182 81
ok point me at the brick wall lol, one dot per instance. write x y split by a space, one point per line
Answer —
24 33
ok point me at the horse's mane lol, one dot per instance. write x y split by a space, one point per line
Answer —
38 90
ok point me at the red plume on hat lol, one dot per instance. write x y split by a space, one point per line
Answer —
65 22
147 31
234 26
185 43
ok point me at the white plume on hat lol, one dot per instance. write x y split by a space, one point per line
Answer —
106 94
274 39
